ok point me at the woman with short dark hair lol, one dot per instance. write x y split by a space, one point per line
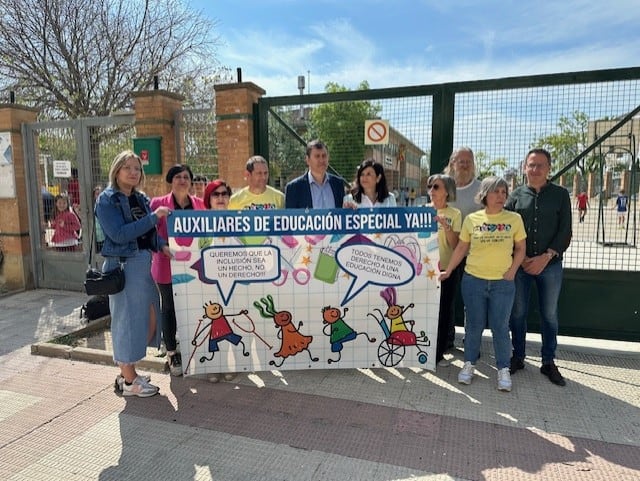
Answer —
493 239
180 178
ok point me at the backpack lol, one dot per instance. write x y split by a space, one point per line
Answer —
95 308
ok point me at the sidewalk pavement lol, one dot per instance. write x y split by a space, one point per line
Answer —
61 420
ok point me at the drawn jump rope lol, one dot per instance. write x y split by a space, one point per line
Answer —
252 330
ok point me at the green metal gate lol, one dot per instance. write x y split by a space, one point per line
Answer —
70 157
588 120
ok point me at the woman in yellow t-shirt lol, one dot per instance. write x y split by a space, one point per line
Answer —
442 189
493 240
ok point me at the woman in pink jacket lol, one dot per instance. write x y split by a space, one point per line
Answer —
180 178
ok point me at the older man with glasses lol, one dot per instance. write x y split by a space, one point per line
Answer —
462 168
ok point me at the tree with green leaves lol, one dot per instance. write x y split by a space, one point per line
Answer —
340 125
568 142
486 167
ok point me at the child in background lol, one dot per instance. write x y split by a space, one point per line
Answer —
621 207
65 224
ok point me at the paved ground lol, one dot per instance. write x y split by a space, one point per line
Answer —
60 419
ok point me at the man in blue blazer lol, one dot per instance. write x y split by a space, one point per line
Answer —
315 188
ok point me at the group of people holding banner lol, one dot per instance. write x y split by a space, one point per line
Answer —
513 241
492 244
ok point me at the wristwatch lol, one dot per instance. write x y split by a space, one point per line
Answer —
550 254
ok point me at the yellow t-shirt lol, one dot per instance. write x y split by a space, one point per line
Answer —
454 219
269 199
492 238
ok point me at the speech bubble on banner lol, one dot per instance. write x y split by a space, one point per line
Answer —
373 264
229 265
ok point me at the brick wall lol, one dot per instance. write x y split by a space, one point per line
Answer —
235 123
15 273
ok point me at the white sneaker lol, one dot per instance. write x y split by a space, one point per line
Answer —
139 387
466 373
504 379
120 380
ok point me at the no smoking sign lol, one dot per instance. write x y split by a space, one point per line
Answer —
376 132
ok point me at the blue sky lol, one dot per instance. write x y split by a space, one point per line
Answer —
402 42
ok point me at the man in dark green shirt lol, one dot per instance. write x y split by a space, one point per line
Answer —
546 211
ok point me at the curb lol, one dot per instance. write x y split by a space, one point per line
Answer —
87 354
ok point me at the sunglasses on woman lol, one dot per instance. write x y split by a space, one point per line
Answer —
433 186
219 194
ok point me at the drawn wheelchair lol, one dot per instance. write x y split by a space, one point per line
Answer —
392 348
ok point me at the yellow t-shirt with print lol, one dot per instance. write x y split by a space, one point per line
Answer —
454 220
491 239
269 199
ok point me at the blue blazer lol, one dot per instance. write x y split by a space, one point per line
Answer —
297 193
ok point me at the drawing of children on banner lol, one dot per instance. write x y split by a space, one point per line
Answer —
338 330
217 329
398 336
292 341
308 263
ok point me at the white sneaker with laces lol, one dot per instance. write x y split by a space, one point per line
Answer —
504 379
120 380
466 373
139 387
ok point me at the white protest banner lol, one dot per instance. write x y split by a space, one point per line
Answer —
296 289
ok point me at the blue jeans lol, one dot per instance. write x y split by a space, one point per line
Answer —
548 283
490 301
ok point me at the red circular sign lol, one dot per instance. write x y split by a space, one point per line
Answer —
377 131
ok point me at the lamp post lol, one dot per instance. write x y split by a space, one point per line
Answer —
301 89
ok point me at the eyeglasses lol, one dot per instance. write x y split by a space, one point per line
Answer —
433 186
220 194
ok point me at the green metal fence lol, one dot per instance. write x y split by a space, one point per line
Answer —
196 143
588 120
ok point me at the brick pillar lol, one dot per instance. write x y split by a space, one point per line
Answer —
155 116
608 184
234 132
624 181
15 272
591 184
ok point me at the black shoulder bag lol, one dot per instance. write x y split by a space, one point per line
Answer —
98 283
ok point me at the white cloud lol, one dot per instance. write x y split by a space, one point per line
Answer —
527 39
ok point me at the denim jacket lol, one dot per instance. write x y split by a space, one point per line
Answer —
120 229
